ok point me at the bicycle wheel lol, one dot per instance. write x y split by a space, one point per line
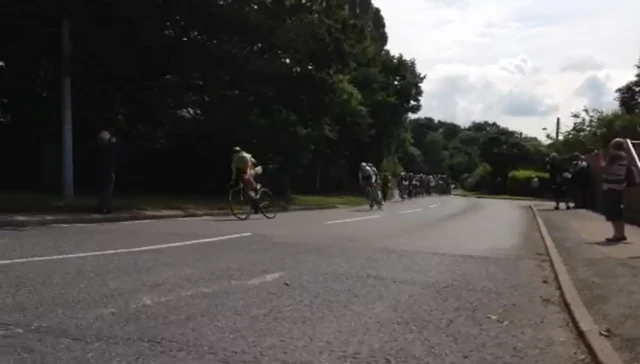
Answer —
379 200
268 203
239 204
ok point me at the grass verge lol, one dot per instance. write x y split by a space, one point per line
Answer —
497 197
329 200
52 204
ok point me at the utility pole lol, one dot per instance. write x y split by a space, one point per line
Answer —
557 129
67 126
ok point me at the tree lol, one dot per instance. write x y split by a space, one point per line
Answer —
628 95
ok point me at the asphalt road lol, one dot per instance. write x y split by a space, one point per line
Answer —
434 280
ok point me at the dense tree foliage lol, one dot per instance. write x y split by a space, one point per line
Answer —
442 147
628 95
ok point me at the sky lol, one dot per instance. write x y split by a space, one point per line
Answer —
521 63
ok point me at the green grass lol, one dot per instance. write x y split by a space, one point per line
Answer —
46 203
497 197
329 200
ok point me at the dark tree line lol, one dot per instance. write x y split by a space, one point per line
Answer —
307 86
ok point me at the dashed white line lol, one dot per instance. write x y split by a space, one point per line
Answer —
264 278
409 211
70 225
432 206
133 222
355 219
131 250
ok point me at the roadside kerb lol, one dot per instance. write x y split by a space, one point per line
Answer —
25 220
600 349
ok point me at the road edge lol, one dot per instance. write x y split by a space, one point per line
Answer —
601 350
130 216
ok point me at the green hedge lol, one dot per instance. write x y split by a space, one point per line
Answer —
479 180
519 183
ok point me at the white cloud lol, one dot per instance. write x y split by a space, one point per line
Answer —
582 64
518 62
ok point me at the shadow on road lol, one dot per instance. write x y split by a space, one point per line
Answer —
611 243
13 228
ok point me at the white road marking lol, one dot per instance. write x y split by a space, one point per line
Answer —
432 206
265 278
70 225
146 301
117 251
355 219
193 218
133 222
408 211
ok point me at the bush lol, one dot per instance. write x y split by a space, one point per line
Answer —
479 180
463 179
519 183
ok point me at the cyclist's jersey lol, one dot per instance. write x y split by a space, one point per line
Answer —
241 164
375 174
365 174
242 161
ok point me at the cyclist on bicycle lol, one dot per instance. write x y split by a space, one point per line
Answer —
365 177
242 171
376 181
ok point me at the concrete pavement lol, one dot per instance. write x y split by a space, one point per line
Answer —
605 274
433 280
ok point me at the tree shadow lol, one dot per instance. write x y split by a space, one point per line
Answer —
552 209
15 228
364 209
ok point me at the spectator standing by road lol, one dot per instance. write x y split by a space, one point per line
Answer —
558 179
614 181
580 180
105 171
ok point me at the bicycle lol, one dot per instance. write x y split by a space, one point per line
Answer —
238 197
374 198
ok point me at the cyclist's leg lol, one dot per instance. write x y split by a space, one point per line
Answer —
249 183
368 190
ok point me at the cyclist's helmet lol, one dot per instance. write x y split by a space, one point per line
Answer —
363 165
235 150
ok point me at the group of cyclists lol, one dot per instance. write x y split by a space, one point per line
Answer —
415 185
375 186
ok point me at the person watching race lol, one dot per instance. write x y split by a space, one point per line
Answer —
386 186
402 184
242 171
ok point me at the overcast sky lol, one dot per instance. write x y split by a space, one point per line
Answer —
518 62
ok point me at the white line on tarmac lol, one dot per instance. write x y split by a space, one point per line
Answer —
264 278
355 219
69 225
134 222
408 211
255 281
117 251
432 206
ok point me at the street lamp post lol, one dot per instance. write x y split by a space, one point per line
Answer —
557 130
67 125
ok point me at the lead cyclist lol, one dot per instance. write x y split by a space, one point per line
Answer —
376 182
